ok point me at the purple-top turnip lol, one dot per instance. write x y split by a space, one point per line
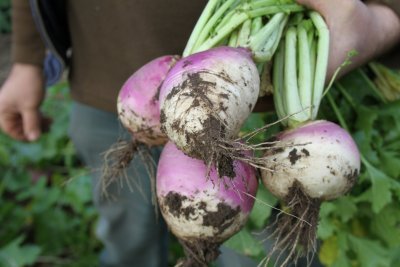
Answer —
201 208
206 98
139 112
312 160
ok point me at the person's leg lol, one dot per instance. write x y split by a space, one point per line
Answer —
231 258
127 225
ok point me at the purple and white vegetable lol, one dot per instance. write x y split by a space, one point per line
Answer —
202 209
312 160
139 112
319 156
138 105
205 99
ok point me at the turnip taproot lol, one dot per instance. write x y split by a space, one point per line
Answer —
202 210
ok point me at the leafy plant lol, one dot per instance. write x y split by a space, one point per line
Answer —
5 16
45 197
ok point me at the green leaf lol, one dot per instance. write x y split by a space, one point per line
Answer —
345 208
395 256
386 225
245 243
369 253
263 206
326 226
329 251
366 118
15 254
390 162
342 261
381 188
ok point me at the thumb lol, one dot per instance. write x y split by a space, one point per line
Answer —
31 119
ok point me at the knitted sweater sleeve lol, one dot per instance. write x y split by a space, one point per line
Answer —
27 46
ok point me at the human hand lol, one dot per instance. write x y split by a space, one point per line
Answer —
369 29
20 99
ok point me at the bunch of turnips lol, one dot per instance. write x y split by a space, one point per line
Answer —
196 103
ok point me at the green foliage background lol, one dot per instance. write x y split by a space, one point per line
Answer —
46 215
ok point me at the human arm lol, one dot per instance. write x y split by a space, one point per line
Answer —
23 91
370 29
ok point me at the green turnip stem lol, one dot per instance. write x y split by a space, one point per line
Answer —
277 80
267 51
223 32
260 67
296 19
233 39
292 98
205 15
241 15
258 40
263 3
226 18
256 25
321 62
212 22
305 77
312 42
244 33
275 9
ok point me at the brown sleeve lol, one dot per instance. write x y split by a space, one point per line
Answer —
27 45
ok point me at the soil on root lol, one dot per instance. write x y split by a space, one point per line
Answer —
199 253
295 233
206 143
220 219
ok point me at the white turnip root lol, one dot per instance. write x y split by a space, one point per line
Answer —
205 99
139 112
320 156
315 162
202 210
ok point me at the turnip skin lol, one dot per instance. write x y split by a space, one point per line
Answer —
202 211
187 177
138 104
320 155
206 98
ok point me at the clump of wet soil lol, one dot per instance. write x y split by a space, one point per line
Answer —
200 251
205 143
220 219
